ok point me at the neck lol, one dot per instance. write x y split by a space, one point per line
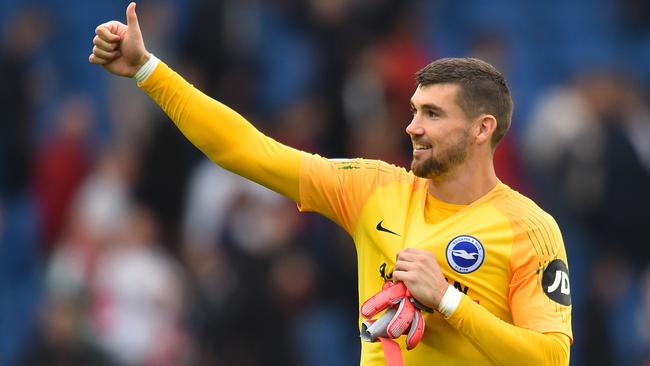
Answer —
465 183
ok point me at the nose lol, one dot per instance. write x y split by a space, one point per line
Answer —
414 128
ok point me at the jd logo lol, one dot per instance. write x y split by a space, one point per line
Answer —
560 277
555 282
382 271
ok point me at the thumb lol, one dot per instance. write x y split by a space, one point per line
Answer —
131 17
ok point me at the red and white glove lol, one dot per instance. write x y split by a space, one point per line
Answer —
402 315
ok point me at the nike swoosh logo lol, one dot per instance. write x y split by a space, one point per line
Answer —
381 228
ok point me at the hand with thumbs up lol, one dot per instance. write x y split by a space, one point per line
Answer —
119 48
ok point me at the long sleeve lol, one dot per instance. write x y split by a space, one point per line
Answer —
505 344
223 135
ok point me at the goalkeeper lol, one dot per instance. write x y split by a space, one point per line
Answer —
488 260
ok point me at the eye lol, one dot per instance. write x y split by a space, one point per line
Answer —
432 114
413 111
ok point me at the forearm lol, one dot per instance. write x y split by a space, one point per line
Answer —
506 344
223 135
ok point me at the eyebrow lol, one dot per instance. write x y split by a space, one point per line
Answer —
429 106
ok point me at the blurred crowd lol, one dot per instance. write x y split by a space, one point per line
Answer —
121 245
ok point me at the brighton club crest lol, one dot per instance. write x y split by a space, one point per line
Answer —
465 254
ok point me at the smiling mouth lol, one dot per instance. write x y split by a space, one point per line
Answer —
421 147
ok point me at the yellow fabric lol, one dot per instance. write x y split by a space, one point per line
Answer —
436 211
518 238
504 290
223 135
510 345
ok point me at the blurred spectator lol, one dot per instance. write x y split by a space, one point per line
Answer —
97 216
627 176
564 141
374 131
62 162
21 38
138 297
164 166
364 91
400 54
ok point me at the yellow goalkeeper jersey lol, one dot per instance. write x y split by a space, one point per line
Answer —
502 251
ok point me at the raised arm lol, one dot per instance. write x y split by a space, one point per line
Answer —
219 132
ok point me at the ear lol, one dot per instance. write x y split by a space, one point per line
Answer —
485 125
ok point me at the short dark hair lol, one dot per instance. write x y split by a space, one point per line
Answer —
482 89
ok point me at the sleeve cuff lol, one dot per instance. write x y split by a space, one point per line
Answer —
450 301
147 69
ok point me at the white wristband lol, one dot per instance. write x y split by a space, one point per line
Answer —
147 69
450 301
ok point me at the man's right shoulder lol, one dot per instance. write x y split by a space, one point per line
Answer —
375 167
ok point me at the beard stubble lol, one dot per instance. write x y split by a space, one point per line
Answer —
437 166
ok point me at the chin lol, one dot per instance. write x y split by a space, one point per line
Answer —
428 168
421 169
